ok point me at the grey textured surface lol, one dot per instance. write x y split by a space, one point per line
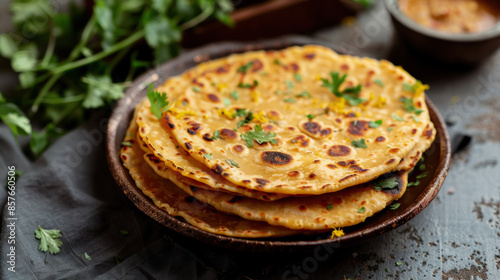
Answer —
456 237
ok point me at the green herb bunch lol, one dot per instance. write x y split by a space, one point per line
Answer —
70 63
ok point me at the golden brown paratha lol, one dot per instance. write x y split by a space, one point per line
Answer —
176 202
312 156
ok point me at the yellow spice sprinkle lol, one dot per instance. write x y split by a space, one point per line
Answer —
337 233
221 87
255 95
228 113
379 102
259 117
420 88
182 113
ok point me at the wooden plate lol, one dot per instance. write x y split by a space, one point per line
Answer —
437 160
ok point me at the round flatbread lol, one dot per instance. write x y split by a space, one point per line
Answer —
324 142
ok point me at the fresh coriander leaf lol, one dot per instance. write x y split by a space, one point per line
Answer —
24 60
408 87
101 89
226 101
421 167
278 92
233 163
359 144
161 31
388 183
414 184
216 135
124 232
329 206
310 117
289 84
234 94
7 46
278 62
243 69
87 256
208 156
389 129
303 94
39 142
242 113
415 119
364 3
361 210
297 77
159 102
355 123
379 82
290 100
27 79
184 103
243 85
351 94
18 124
161 6
409 106
259 135
49 240
399 263
394 206
398 118
127 144
375 124
423 175
196 89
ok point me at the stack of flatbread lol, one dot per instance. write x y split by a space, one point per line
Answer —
276 143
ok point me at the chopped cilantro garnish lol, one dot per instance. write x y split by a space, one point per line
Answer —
233 163
216 135
49 240
127 144
399 263
226 101
289 84
158 100
396 117
379 82
234 94
310 117
303 94
359 144
415 119
421 167
208 156
414 184
389 129
409 88
394 206
259 135
409 107
351 94
375 124
244 68
361 210
329 207
278 92
87 256
242 85
184 103
196 89
278 62
423 175
243 113
355 123
290 100
297 77
388 183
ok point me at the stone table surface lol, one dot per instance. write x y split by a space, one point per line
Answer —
458 235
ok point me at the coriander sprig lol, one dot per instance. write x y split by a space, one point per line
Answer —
259 135
351 94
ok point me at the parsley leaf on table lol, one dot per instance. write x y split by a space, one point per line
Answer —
49 240
259 135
